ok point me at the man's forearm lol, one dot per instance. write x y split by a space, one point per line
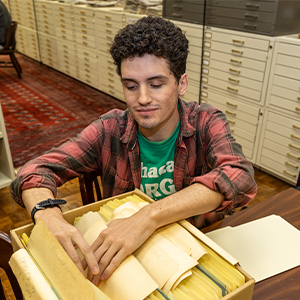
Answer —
194 200
34 195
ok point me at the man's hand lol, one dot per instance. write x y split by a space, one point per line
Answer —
119 240
69 237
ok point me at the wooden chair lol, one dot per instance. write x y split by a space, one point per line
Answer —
10 49
5 254
90 188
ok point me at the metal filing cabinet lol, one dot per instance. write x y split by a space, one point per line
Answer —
184 10
279 150
44 17
64 21
268 17
234 73
84 20
108 22
193 33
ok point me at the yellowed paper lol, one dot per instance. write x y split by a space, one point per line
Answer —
122 284
92 234
55 262
130 207
164 261
87 221
129 282
33 284
99 295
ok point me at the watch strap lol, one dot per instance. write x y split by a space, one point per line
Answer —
46 204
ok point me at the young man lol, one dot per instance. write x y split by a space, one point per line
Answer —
181 154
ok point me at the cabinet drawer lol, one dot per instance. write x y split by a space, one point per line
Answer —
232 90
235 81
84 11
286 105
237 40
251 6
288 83
235 71
60 7
105 16
287 71
289 61
237 51
251 111
289 49
235 61
84 19
87 28
188 11
191 31
239 14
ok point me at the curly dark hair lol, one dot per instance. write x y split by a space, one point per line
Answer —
152 35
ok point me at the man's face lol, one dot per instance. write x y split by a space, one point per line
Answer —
151 93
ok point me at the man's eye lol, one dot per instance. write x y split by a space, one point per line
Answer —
131 87
156 86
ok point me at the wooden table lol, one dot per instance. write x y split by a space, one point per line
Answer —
285 286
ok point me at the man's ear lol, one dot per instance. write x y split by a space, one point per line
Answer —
183 84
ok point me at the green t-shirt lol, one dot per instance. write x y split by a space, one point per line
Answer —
157 164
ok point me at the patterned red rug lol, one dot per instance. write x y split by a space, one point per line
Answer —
46 108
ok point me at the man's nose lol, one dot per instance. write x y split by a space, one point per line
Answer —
144 96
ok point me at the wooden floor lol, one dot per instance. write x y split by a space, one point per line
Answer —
13 216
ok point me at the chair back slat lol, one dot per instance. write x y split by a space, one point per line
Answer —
10 39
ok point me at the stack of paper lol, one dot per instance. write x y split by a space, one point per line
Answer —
264 247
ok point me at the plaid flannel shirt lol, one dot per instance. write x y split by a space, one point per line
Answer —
205 153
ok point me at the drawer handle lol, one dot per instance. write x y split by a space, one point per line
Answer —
249 5
231 104
83 19
231 122
298 98
108 17
234 71
111 80
253 17
236 61
87 71
236 51
110 74
293 156
110 68
177 6
238 41
177 15
111 86
63 25
85 43
87 65
86 59
294 147
232 89
296 127
84 30
287 173
84 37
82 12
290 165
108 30
233 80
108 24
250 26
295 137
86 53
297 108
232 130
230 113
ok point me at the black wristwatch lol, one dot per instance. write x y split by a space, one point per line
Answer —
45 204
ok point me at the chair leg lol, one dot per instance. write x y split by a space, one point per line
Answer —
16 64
